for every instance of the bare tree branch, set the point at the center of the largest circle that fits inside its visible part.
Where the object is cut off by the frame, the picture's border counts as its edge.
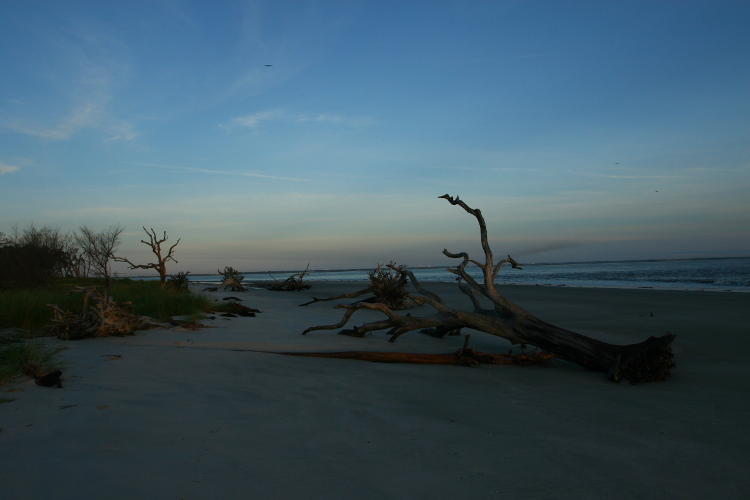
(154, 243)
(350, 295)
(99, 249)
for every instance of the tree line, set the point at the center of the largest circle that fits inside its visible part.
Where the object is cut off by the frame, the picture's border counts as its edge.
(38, 255)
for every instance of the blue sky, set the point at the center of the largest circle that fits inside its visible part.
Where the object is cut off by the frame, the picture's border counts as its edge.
(583, 130)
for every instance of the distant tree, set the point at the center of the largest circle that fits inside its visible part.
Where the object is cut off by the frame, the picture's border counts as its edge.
(33, 255)
(154, 243)
(99, 249)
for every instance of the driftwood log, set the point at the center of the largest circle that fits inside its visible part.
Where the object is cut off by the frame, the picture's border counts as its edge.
(647, 361)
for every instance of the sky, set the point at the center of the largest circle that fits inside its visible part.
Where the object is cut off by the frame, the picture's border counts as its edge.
(267, 135)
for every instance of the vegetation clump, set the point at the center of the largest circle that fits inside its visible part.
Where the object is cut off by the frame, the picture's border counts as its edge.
(179, 281)
(26, 308)
(19, 356)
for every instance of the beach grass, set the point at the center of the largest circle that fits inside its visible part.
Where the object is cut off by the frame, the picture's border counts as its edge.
(26, 308)
(22, 357)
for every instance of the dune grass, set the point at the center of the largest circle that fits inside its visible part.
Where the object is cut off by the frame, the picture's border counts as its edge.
(22, 357)
(26, 308)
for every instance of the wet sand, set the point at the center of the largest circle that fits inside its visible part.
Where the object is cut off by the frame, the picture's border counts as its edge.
(184, 414)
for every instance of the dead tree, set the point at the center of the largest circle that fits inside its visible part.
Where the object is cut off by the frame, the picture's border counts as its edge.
(294, 283)
(154, 242)
(387, 286)
(646, 361)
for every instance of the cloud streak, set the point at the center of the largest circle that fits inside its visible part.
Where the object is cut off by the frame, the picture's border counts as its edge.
(8, 169)
(254, 120)
(235, 173)
(81, 116)
(86, 65)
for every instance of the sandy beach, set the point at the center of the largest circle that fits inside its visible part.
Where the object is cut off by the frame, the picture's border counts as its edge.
(190, 414)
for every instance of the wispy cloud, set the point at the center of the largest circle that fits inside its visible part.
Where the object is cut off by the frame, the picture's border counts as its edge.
(254, 120)
(86, 65)
(638, 176)
(464, 168)
(8, 169)
(236, 173)
(84, 115)
(122, 131)
(352, 121)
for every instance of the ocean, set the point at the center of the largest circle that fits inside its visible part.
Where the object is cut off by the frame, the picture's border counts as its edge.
(719, 274)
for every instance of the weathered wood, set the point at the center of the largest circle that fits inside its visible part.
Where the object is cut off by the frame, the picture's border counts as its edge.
(101, 316)
(294, 283)
(647, 361)
(387, 286)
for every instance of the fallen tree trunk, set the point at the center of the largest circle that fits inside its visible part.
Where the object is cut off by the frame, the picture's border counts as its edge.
(647, 361)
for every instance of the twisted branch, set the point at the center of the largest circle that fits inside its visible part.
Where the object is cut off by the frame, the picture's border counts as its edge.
(154, 242)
